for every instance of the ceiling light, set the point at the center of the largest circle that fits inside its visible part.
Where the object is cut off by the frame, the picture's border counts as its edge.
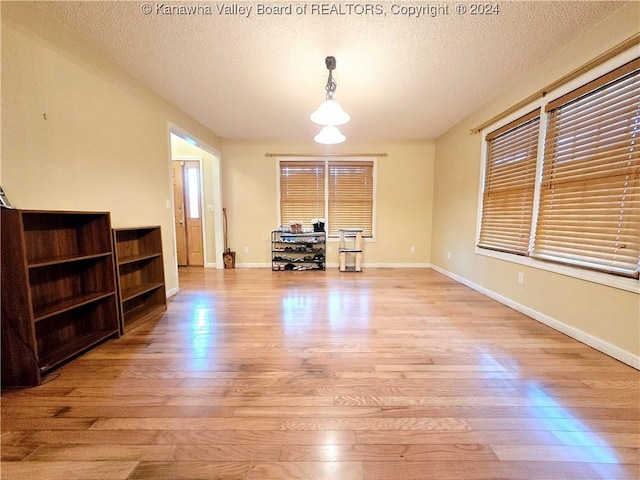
(330, 113)
(330, 135)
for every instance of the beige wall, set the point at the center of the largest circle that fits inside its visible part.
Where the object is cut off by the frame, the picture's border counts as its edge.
(604, 316)
(104, 144)
(404, 200)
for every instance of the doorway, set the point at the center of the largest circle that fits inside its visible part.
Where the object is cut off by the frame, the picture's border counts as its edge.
(187, 198)
(184, 147)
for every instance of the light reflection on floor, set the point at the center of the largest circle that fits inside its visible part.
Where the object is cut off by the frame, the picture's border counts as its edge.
(570, 430)
(203, 331)
(298, 311)
(349, 310)
(341, 311)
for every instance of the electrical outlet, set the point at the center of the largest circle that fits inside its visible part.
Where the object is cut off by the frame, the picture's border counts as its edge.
(329, 249)
(413, 250)
(209, 207)
(246, 250)
(448, 255)
(521, 278)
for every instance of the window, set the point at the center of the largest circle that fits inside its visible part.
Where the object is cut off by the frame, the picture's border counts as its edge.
(193, 190)
(350, 197)
(588, 193)
(510, 172)
(340, 191)
(302, 187)
(590, 190)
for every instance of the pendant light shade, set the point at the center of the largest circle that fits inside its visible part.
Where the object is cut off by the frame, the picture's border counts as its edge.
(330, 135)
(330, 113)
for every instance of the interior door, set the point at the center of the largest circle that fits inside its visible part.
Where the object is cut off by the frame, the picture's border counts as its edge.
(179, 218)
(193, 212)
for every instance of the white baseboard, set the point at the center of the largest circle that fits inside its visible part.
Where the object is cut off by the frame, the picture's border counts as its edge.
(211, 265)
(586, 338)
(336, 265)
(385, 265)
(395, 265)
(172, 291)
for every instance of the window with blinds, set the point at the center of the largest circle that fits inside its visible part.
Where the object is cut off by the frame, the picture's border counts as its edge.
(302, 191)
(507, 203)
(340, 191)
(576, 202)
(350, 197)
(589, 210)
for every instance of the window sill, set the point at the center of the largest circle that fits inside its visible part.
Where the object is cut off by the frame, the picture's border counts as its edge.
(337, 239)
(622, 283)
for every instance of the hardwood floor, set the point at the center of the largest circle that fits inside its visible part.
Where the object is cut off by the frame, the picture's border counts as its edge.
(389, 374)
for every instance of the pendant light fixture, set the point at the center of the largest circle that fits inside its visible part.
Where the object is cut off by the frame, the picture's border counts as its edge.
(330, 135)
(330, 114)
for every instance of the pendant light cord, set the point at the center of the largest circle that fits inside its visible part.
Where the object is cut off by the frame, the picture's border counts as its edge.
(330, 62)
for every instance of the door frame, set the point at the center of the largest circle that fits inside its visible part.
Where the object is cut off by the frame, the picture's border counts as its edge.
(216, 180)
(203, 209)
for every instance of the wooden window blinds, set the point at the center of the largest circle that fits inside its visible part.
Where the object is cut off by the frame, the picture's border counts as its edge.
(346, 185)
(589, 210)
(507, 205)
(350, 196)
(302, 191)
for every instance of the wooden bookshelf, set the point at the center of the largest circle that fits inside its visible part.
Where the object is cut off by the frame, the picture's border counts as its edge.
(58, 289)
(140, 274)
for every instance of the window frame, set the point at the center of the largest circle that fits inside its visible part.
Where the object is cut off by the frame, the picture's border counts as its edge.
(599, 277)
(327, 160)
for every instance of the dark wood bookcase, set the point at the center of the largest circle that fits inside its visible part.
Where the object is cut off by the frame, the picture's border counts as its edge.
(58, 289)
(140, 274)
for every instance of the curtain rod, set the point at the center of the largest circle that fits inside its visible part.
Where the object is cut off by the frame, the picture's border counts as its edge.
(326, 154)
(599, 60)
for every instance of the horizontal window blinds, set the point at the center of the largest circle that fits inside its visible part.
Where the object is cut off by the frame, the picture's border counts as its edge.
(589, 211)
(507, 205)
(351, 196)
(302, 190)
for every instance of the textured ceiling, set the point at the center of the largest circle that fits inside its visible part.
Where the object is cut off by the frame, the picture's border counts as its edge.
(259, 76)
